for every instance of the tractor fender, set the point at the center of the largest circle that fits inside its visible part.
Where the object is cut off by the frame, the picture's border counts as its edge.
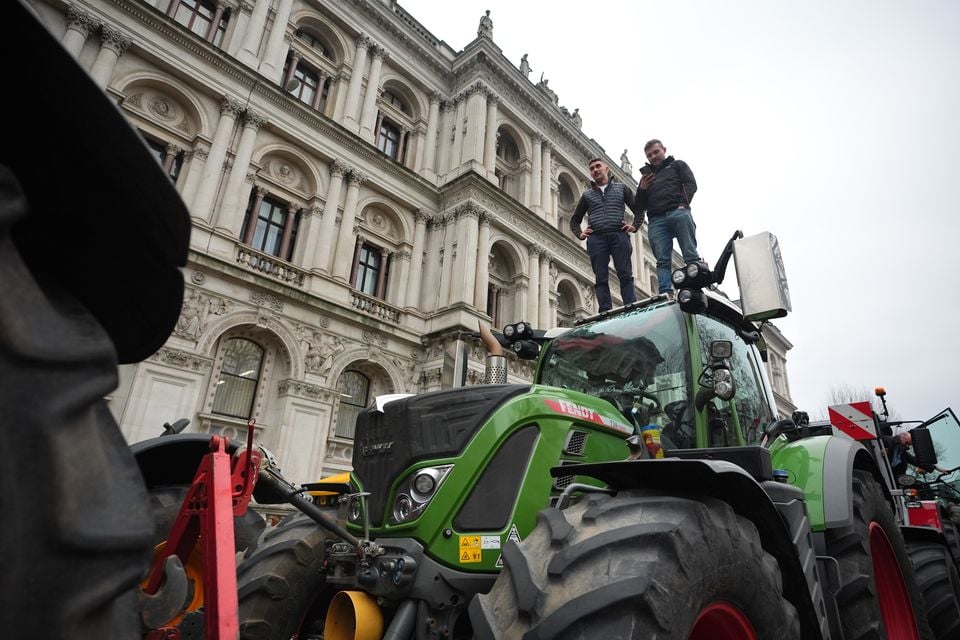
(173, 459)
(840, 457)
(923, 534)
(735, 486)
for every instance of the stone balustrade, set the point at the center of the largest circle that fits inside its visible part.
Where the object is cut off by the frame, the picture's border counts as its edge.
(270, 265)
(374, 307)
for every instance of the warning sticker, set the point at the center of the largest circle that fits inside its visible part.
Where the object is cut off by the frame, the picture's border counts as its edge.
(514, 535)
(470, 554)
(499, 563)
(469, 541)
(489, 542)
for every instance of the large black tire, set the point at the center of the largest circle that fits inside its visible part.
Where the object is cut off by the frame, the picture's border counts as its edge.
(281, 585)
(165, 502)
(639, 565)
(858, 599)
(940, 585)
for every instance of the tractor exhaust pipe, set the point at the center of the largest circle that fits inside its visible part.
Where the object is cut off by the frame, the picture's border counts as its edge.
(495, 371)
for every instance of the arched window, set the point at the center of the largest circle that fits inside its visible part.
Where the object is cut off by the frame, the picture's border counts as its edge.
(371, 268)
(170, 161)
(198, 16)
(272, 228)
(391, 98)
(237, 386)
(315, 42)
(388, 139)
(354, 392)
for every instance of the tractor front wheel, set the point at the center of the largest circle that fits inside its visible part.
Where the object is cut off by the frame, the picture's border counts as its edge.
(281, 584)
(641, 564)
(878, 595)
(940, 585)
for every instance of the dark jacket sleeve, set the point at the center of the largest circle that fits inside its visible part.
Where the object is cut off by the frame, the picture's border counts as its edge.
(630, 200)
(640, 201)
(577, 217)
(687, 182)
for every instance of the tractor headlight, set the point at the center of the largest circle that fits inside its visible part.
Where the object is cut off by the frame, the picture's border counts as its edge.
(355, 513)
(509, 330)
(678, 277)
(693, 270)
(723, 383)
(416, 491)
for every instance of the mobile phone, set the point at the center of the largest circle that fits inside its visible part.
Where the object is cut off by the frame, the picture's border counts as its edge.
(645, 169)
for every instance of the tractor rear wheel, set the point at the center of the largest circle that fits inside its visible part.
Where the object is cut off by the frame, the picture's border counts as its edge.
(282, 588)
(165, 502)
(641, 564)
(940, 585)
(878, 595)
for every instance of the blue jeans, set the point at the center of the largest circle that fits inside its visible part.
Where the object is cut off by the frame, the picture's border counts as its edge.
(662, 230)
(601, 247)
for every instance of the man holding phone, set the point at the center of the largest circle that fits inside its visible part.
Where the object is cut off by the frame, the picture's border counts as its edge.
(666, 189)
(606, 233)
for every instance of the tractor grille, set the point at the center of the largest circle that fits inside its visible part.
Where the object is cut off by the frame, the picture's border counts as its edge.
(576, 442)
(562, 482)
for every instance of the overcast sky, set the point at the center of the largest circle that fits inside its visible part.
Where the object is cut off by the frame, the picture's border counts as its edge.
(833, 124)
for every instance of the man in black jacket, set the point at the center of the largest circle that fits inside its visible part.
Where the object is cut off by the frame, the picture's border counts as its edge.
(665, 192)
(606, 232)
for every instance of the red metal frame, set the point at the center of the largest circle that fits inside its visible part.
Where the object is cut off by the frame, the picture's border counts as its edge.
(216, 495)
(924, 514)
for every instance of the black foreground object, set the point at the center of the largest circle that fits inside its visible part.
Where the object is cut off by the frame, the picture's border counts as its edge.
(92, 235)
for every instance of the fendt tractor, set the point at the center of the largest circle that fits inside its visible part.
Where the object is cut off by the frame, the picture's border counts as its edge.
(642, 486)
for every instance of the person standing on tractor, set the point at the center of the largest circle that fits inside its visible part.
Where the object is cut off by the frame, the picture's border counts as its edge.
(606, 233)
(897, 448)
(666, 189)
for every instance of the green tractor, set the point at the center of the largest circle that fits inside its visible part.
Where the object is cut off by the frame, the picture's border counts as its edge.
(641, 487)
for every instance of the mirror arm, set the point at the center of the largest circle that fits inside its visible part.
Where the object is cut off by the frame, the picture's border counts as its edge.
(721, 268)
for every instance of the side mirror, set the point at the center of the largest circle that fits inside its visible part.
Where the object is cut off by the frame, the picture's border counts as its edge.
(764, 293)
(923, 448)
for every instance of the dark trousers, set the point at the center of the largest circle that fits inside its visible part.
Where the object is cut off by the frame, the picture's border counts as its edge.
(601, 247)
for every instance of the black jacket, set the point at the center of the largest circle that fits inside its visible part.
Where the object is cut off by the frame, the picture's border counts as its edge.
(604, 209)
(675, 185)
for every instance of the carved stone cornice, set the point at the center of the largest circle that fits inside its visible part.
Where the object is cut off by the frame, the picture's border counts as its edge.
(301, 389)
(181, 359)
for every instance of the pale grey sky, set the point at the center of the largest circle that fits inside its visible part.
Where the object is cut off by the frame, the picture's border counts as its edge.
(834, 124)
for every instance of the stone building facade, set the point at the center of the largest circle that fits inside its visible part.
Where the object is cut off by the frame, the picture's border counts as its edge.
(360, 192)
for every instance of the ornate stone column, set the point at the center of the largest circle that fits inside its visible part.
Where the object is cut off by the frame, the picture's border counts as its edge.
(345, 240)
(456, 155)
(445, 141)
(240, 19)
(449, 235)
(327, 240)
(382, 274)
(272, 65)
(533, 297)
(112, 45)
(416, 260)
(193, 168)
(476, 125)
(545, 170)
(79, 27)
(490, 142)
(429, 289)
(521, 299)
(231, 215)
(310, 220)
(249, 53)
(351, 108)
(430, 146)
(212, 169)
(169, 157)
(543, 322)
(483, 265)
(536, 174)
(369, 110)
(465, 266)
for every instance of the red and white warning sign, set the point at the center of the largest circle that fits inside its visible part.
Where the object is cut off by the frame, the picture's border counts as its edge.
(854, 420)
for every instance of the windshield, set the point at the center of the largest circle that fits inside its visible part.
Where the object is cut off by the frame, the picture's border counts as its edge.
(636, 360)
